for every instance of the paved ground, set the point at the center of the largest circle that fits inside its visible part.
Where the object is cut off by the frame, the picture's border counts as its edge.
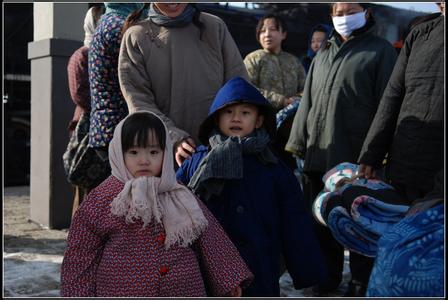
(32, 255)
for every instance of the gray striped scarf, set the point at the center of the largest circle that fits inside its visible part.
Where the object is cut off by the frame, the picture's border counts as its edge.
(225, 161)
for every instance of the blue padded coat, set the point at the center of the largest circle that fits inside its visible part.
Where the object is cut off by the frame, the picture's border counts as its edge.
(263, 213)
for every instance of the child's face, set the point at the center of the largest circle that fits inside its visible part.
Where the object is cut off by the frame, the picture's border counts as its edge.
(317, 40)
(145, 161)
(239, 119)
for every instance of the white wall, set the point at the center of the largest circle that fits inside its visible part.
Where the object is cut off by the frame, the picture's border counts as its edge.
(59, 20)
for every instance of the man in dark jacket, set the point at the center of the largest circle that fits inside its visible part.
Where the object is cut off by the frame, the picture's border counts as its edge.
(408, 125)
(342, 91)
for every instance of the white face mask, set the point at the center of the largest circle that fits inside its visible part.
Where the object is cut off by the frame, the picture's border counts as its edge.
(345, 25)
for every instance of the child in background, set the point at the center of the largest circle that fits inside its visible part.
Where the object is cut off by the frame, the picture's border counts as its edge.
(318, 35)
(254, 196)
(141, 234)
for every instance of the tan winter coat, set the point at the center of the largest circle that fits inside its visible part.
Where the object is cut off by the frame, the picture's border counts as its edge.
(277, 76)
(174, 74)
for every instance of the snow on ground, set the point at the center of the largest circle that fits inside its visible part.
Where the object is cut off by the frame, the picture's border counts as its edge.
(31, 275)
(32, 255)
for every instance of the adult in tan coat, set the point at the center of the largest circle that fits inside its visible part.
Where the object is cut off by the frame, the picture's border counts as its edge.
(173, 63)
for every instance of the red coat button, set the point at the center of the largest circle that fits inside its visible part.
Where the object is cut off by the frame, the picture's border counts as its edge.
(163, 270)
(161, 238)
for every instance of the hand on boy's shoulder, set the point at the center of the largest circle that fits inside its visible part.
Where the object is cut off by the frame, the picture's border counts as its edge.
(184, 150)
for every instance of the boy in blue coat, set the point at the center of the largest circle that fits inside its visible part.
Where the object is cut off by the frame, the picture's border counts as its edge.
(254, 196)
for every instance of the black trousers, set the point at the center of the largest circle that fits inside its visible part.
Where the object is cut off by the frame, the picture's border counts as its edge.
(333, 252)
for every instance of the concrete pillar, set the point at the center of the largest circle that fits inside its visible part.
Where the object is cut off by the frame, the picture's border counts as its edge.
(58, 32)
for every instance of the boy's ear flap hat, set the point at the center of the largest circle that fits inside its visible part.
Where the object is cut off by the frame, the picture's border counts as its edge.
(238, 90)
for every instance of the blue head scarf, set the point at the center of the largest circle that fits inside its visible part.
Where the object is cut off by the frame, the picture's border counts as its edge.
(123, 9)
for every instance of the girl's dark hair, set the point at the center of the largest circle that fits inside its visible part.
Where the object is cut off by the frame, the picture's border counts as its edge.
(133, 18)
(136, 129)
(279, 24)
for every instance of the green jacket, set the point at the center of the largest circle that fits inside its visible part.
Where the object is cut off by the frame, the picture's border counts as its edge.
(341, 95)
(277, 76)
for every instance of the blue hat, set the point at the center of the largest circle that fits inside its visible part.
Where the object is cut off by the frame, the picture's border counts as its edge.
(238, 90)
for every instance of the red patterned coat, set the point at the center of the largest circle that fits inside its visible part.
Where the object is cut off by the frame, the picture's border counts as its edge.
(78, 83)
(106, 257)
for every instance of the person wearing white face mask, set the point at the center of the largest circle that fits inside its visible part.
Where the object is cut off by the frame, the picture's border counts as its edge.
(346, 24)
(342, 91)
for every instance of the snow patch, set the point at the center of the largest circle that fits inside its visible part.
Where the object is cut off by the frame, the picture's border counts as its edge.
(31, 274)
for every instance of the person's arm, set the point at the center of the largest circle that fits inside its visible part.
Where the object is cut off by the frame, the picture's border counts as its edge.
(277, 100)
(385, 67)
(301, 249)
(183, 150)
(183, 174)
(236, 292)
(252, 63)
(223, 269)
(78, 78)
(299, 133)
(301, 77)
(189, 166)
(83, 253)
(135, 82)
(380, 135)
(252, 67)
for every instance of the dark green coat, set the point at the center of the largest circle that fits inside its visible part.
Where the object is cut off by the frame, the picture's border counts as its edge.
(341, 95)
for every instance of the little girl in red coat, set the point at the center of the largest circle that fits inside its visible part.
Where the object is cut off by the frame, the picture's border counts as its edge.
(142, 234)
